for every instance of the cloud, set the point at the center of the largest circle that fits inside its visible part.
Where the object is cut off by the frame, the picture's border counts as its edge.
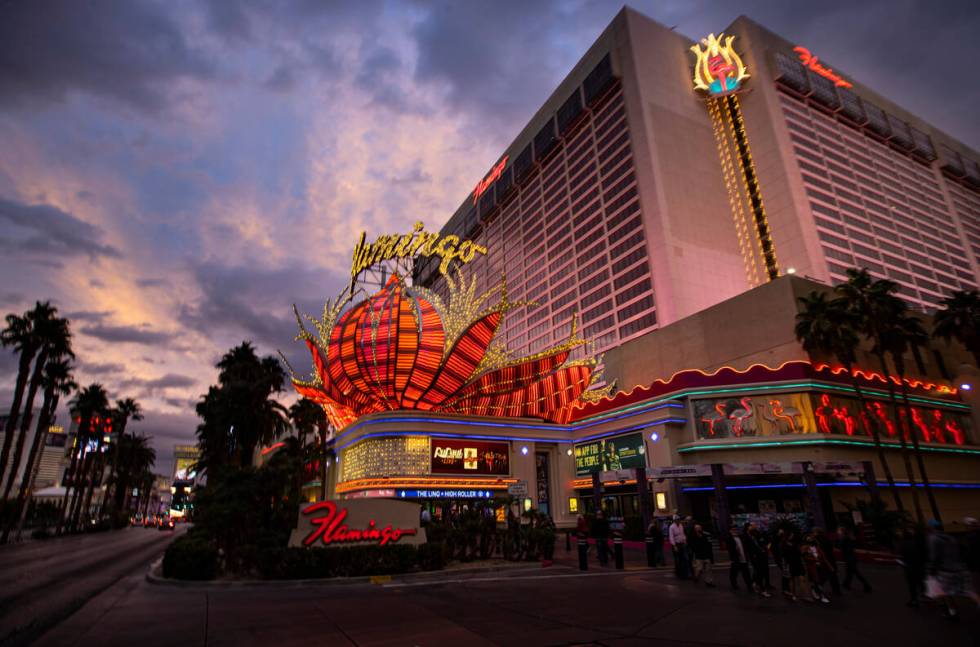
(49, 231)
(88, 315)
(130, 52)
(107, 368)
(126, 334)
(168, 381)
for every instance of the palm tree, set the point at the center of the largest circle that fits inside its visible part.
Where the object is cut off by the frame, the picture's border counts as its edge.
(960, 319)
(903, 331)
(308, 418)
(828, 327)
(53, 339)
(90, 407)
(135, 457)
(19, 333)
(872, 302)
(239, 413)
(58, 381)
(125, 410)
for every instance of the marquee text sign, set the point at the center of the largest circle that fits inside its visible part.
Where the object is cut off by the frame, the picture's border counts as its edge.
(450, 456)
(358, 522)
(416, 243)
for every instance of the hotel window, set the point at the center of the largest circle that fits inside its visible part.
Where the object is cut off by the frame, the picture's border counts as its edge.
(646, 321)
(635, 308)
(599, 326)
(830, 252)
(624, 246)
(630, 276)
(595, 297)
(598, 279)
(632, 292)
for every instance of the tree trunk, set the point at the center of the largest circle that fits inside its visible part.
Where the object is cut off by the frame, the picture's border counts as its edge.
(98, 466)
(930, 495)
(23, 369)
(37, 465)
(81, 482)
(77, 455)
(876, 436)
(30, 470)
(113, 470)
(901, 439)
(25, 420)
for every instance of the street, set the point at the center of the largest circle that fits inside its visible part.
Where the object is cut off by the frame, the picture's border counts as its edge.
(43, 582)
(533, 606)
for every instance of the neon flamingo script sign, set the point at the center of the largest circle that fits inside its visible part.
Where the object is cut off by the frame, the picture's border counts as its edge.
(491, 177)
(813, 64)
(331, 529)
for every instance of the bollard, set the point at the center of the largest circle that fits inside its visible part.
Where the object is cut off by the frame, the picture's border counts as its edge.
(583, 554)
(568, 542)
(618, 552)
(651, 552)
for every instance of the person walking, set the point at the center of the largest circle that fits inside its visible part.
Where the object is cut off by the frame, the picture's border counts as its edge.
(912, 554)
(827, 547)
(792, 553)
(656, 535)
(600, 530)
(678, 546)
(816, 567)
(779, 557)
(703, 556)
(948, 577)
(739, 559)
(848, 551)
(758, 551)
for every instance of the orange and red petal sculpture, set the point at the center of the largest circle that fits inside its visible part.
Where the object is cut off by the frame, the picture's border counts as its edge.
(394, 351)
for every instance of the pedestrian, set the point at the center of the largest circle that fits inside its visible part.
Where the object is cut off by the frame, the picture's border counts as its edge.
(912, 554)
(581, 527)
(792, 553)
(779, 557)
(703, 556)
(656, 535)
(600, 530)
(816, 567)
(948, 577)
(848, 545)
(678, 547)
(739, 561)
(827, 546)
(758, 551)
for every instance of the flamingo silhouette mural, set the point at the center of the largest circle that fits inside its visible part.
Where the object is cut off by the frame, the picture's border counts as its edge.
(739, 415)
(824, 413)
(714, 416)
(782, 412)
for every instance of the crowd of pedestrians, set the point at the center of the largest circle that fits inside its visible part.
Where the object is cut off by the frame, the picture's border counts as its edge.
(936, 565)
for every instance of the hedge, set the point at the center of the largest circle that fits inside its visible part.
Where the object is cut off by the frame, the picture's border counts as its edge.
(195, 558)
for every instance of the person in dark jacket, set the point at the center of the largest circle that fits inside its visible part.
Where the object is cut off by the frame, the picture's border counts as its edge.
(912, 551)
(739, 559)
(600, 530)
(703, 556)
(656, 535)
(758, 549)
(777, 555)
(827, 547)
(848, 552)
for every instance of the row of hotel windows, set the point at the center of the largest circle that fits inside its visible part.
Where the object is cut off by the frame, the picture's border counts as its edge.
(571, 239)
(883, 227)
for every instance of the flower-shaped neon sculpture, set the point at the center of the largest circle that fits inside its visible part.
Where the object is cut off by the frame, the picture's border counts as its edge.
(404, 348)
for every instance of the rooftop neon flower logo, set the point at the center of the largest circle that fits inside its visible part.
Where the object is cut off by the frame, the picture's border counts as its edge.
(719, 69)
(405, 348)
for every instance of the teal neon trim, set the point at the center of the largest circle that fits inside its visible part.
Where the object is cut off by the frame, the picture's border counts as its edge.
(820, 386)
(825, 441)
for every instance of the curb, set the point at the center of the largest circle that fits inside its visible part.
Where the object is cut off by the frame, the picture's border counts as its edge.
(154, 578)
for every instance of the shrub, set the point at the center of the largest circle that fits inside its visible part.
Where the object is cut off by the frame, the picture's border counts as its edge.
(191, 557)
(41, 533)
(431, 556)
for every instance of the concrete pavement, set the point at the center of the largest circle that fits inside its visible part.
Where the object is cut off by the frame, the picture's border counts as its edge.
(43, 582)
(554, 606)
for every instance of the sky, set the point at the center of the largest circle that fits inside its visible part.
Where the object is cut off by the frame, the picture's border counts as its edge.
(175, 175)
